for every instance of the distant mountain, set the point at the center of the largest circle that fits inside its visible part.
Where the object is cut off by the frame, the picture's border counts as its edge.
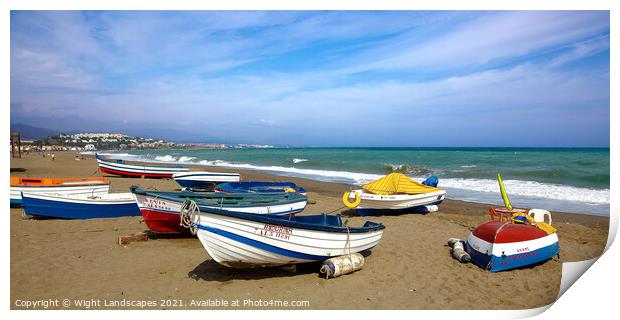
(28, 132)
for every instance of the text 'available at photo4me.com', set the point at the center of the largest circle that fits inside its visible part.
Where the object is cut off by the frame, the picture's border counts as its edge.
(216, 303)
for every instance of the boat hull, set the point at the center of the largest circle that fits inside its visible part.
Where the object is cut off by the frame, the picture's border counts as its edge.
(499, 246)
(241, 243)
(16, 192)
(138, 170)
(48, 206)
(374, 204)
(160, 215)
(163, 214)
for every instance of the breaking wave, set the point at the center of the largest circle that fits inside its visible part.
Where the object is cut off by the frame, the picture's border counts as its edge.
(515, 187)
(166, 158)
(408, 169)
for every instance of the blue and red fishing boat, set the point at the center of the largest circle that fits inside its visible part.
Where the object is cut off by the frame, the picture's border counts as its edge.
(503, 245)
(515, 240)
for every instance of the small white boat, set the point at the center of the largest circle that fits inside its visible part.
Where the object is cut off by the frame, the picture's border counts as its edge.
(393, 192)
(203, 180)
(242, 240)
(80, 206)
(58, 186)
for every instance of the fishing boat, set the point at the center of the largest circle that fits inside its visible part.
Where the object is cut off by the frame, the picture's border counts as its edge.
(394, 193)
(203, 180)
(121, 168)
(259, 186)
(80, 206)
(504, 245)
(242, 240)
(161, 209)
(58, 186)
(512, 239)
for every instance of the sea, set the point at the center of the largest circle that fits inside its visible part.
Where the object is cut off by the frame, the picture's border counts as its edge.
(556, 179)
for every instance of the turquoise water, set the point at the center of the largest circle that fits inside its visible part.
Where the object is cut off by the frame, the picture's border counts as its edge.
(565, 179)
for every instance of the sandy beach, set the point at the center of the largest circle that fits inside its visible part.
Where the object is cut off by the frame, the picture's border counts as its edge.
(411, 268)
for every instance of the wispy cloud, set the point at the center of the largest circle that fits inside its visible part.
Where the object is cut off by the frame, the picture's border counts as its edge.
(325, 75)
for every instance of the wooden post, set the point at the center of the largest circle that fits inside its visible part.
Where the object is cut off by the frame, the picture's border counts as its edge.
(16, 145)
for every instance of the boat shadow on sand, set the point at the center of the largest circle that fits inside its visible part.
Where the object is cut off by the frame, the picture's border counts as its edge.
(209, 270)
(349, 213)
(157, 235)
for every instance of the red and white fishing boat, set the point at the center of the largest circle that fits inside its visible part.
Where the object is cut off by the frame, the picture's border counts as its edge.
(119, 167)
(161, 210)
(503, 245)
(515, 240)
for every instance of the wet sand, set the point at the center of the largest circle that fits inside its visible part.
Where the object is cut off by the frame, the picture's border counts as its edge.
(411, 268)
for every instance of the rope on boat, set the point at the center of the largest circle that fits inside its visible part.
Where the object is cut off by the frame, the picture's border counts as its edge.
(337, 210)
(189, 208)
(348, 243)
(345, 263)
(327, 271)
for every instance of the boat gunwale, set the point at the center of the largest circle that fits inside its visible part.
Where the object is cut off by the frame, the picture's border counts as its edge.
(177, 197)
(282, 221)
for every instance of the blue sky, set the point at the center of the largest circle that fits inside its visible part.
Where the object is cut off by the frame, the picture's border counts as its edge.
(335, 78)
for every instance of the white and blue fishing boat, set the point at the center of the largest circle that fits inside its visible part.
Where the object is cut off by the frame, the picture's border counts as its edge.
(242, 240)
(259, 186)
(203, 180)
(122, 168)
(82, 206)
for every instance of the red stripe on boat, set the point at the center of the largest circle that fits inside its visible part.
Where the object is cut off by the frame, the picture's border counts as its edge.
(162, 222)
(136, 174)
(506, 232)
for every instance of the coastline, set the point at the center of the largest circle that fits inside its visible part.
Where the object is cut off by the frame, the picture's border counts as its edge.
(410, 269)
(467, 176)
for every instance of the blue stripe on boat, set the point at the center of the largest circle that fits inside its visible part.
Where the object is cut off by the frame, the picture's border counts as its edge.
(514, 261)
(263, 246)
(377, 212)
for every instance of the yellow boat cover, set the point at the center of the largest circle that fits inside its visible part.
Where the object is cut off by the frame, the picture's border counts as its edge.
(395, 183)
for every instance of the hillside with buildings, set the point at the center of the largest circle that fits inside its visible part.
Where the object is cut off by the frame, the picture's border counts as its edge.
(95, 141)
